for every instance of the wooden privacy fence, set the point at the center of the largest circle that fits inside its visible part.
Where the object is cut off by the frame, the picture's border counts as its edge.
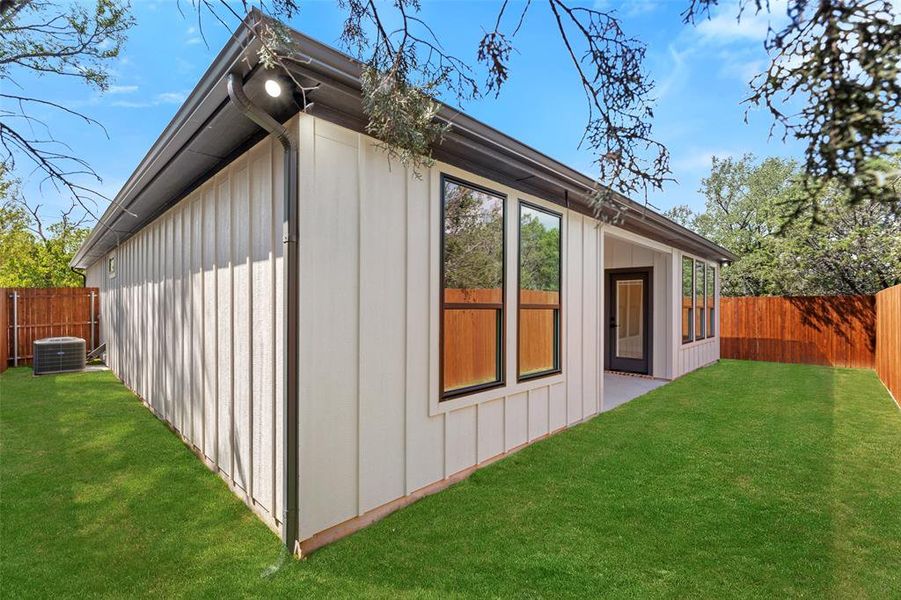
(838, 331)
(888, 339)
(4, 328)
(471, 335)
(30, 314)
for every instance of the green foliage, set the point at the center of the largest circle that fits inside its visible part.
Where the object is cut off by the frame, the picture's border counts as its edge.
(841, 248)
(473, 238)
(76, 41)
(834, 84)
(539, 258)
(31, 255)
(402, 117)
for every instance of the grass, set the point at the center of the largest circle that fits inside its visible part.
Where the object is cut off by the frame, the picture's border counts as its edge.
(741, 480)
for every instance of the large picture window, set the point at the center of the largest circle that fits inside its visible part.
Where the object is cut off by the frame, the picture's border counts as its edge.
(711, 298)
(472, 300)
(539, 292)
(688, 286)
(700, 323)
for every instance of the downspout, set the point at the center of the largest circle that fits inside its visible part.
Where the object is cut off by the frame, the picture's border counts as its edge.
(290, 229)
(84, 278)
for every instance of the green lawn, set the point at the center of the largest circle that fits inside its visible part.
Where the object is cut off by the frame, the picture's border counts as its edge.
(742, 479)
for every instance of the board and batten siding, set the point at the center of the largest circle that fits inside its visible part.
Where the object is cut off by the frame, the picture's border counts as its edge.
(193, 320)
(621, 251)
(371, 427)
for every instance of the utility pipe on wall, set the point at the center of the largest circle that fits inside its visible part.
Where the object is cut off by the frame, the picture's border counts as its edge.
(92, 320)
(15, 329)
(290, 229)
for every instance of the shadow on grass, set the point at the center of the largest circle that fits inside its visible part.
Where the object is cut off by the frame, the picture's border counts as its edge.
(742, 479)
(104, 497)
(706, 485)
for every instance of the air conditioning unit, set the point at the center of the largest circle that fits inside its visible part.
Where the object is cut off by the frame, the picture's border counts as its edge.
(58, 355)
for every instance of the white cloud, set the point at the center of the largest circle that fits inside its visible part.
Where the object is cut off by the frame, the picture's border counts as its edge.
(678, 73)
(122, 89)
(158, 99)
(736, 45)
(726, 27)
(628, 8)
(184, 66)
(699, 160)
(171, 97)
(742, 64)
(194, 41)
(637, 8)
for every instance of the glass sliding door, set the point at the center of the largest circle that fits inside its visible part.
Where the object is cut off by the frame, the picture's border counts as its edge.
(629, 312)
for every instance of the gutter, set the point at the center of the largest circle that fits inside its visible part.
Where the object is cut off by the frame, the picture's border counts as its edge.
(341, 74)
(290, 229)
(194, 111)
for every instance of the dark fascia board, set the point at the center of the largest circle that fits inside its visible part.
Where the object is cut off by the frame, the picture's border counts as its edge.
(340, 74)
(338, 99)
(239, 54)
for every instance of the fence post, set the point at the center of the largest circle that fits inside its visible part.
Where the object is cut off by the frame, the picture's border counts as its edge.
(92, 320)
(15, 328)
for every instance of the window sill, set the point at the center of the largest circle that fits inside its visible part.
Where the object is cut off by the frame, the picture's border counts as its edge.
(536, 376)
(451, 404)
(699, 342)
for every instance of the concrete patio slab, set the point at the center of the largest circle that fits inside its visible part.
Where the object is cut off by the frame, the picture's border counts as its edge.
(619, 389)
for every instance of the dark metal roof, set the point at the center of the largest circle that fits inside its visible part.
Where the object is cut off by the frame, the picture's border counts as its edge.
(207, 132)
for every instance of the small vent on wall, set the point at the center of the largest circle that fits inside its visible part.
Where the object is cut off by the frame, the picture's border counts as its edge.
(58, 355)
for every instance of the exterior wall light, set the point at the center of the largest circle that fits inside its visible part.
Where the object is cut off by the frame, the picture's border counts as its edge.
(273, 88)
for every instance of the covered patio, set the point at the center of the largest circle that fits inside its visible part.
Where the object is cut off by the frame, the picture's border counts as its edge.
(620, 388)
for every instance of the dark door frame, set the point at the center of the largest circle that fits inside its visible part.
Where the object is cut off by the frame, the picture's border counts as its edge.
(610, 361)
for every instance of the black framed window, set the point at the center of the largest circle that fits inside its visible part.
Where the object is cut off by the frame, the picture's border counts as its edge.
(711, 301)
(472, 293)
(700, 323)
(539, 305)
(688, 286)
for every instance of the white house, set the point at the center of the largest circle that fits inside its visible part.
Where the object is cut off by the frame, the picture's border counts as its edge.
(335, 336)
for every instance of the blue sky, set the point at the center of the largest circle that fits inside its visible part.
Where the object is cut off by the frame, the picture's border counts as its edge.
(701, 72)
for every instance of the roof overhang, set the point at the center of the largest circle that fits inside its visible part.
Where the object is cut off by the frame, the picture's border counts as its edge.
(208, 131)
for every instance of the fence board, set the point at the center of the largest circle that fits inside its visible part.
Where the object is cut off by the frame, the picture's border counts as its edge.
(888, 339)
(471, 336)
(46, 312)
(4, 331)
(838, 331)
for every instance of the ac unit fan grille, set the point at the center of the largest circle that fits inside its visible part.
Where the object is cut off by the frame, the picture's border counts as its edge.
(58, 355)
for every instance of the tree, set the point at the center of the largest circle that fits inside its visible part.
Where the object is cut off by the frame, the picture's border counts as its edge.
(833, 83)
(850, 248)
(838, 58)
(539, 259)
(35, 255)
(855, 249)
(473, 231)
(74, 41)
(681, 214)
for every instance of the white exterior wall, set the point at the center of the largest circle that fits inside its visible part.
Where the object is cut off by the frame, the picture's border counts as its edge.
(697, 354)
(371, 427)
(626, 250)
(194, 325)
